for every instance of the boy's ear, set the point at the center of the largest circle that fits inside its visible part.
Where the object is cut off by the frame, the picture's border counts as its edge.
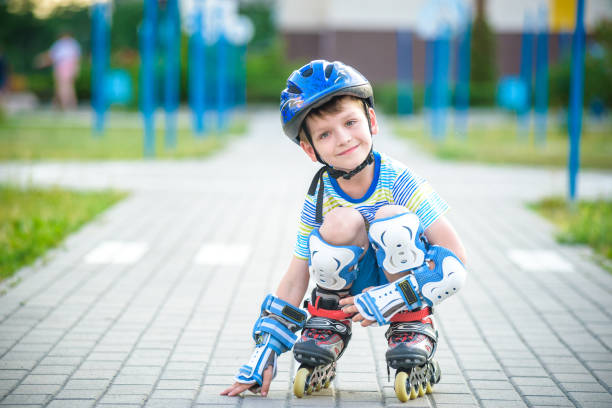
(373, 121)
(308, 149)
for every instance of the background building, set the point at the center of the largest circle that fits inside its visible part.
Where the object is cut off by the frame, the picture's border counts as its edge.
(364, 32)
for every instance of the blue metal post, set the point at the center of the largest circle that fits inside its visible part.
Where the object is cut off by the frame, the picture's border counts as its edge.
(404, 73)
(100, 51)
(429, 72)
(565, 44)
(197, 73)
(147, 74)
(526, 75)
(541, 86)
(172, 70)
(440, 85)
(462, 89)
(222, 83)
(575, 103)
(242, 55)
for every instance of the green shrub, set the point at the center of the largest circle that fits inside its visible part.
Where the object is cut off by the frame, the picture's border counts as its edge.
(483, 93)
(482, 52)
(597, 82)
(385, 97)
(33, 221)
(41, 84)
(590, 223)
(267, 73)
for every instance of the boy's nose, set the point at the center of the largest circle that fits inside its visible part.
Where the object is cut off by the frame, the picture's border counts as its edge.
(344, 136)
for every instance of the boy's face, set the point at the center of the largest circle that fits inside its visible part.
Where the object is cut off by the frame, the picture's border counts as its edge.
(342, 139)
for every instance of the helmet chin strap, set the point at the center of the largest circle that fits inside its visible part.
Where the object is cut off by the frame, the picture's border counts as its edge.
(347, 175)
(335, 173)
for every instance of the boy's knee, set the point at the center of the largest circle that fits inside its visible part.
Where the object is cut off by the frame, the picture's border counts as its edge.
(390, 211)
(344, 226)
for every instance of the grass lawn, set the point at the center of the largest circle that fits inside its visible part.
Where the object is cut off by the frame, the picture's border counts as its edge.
(64, 136)
(500, 142)
(590, 223)
(34, 220)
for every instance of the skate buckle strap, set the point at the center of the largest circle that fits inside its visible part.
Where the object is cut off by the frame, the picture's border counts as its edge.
(332, 314)
(408, 316)
(276, 306)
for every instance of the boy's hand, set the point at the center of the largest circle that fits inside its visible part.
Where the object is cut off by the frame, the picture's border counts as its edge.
(238, 388)
(350, 308)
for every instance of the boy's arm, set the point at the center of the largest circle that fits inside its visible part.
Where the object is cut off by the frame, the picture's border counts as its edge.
(442, 233)
(294, 283)
(291, 289)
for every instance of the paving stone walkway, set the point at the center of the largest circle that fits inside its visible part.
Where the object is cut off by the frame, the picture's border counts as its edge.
(152, 304)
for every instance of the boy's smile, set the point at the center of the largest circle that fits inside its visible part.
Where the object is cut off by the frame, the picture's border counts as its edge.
(342, 138)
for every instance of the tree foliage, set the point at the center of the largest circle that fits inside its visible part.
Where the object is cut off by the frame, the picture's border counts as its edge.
(483, 67)
(597, 70)
(23, 35)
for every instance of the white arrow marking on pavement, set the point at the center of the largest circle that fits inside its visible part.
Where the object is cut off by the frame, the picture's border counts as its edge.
(222, 254)
(117, 252)
(536, 260)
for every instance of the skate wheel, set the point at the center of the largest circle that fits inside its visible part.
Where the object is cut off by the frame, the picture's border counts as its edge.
(413, 393)
(428, 388)
(327, 383)
(318, 387)
(309, 390)
(420, 390)
(435, 372)
(300, 381)
(401, 382)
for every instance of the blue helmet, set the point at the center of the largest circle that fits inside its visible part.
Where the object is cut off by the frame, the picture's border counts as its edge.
(313, 85)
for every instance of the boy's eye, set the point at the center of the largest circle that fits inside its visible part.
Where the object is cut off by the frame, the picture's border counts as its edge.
(351, 122)
(323, 135)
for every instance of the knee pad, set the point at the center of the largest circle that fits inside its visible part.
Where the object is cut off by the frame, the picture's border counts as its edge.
(332, 266)
(399, 242)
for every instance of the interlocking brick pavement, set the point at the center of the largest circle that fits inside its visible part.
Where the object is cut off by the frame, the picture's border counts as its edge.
(163, 328)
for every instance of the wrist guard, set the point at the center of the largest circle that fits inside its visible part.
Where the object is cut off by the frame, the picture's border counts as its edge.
(274, 333)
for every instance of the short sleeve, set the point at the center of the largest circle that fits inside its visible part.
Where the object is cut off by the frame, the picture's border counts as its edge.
(417, 195)
(305, 226)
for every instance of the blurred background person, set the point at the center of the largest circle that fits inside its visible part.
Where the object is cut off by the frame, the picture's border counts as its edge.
(64, 55)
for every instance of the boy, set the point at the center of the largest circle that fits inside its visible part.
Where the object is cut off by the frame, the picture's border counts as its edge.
(367, 222)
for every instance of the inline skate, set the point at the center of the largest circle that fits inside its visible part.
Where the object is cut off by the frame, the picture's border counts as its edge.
(412, 342)
(324, 338)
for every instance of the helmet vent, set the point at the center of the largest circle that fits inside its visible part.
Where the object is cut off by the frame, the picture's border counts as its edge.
(328, 70)
(293, 89)
(307, 72)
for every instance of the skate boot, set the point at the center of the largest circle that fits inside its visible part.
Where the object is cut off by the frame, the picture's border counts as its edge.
(412, 342)
(324, 339)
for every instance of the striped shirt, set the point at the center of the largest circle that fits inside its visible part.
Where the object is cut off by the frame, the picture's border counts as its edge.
(393, 183)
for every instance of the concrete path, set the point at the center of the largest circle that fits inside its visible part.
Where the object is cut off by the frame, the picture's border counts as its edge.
(152, 304)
